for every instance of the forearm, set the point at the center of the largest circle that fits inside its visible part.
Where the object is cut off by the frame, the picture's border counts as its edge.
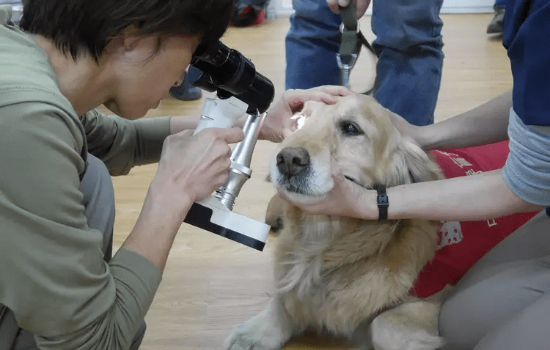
(157, 225)
(484, 124)
(467, 198)
(178, 124)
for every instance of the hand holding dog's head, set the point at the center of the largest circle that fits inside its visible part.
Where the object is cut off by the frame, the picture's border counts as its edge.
(279, 122)
(353, 138)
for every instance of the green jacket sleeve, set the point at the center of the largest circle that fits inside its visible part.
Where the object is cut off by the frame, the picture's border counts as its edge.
(52, 273)
(120, 143)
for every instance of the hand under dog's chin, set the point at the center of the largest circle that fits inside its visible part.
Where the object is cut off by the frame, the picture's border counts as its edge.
(310, 189)
(300, 198)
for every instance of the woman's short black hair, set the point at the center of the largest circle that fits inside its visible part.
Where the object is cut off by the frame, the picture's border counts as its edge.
(78, 26)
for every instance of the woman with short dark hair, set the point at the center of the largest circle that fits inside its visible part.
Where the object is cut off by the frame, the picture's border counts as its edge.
(59, 286)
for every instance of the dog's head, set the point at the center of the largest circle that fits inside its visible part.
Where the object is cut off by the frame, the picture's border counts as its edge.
(355, 136)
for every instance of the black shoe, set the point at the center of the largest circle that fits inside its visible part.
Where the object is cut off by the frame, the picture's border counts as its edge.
(496, 24)
(185, 91)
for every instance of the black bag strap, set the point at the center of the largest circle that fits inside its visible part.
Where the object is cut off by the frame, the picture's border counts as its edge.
(352, 38)
(350, 45)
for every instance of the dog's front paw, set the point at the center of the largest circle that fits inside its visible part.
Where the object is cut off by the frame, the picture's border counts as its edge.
(410, 326)
(253, 335)
(247, 337)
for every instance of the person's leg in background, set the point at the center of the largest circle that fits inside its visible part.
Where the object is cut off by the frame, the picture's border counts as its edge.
(503, 302)
(187, 92)
(311, 45)
(99, 208)
(408, 45)
(496, 24)
(410, 58)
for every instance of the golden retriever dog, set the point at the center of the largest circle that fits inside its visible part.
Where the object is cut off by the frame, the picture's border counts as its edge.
(346, 276)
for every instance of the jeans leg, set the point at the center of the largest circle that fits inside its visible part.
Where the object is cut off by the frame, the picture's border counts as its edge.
(410, 58)
(311, 45)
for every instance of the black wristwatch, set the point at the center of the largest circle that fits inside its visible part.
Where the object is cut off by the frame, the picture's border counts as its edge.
(382, 201)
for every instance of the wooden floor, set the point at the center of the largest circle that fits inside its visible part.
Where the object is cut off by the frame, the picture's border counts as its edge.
(211, 283)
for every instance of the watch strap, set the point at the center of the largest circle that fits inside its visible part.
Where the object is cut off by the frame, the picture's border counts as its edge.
(382, 201)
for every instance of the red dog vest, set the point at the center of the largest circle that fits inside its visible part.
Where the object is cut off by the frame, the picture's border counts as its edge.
(463, 243)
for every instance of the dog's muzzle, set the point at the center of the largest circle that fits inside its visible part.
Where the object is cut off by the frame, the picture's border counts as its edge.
(292, 161)
(294, 166)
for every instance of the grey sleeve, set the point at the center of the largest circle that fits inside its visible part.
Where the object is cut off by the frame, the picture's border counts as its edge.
(527, 169)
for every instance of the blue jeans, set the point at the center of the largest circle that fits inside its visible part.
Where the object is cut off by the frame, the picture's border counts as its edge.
(408, 45)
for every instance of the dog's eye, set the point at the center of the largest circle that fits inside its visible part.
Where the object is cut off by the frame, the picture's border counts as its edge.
(350, 128)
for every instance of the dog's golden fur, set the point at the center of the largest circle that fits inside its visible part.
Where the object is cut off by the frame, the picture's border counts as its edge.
(333, 273)
(344, 279)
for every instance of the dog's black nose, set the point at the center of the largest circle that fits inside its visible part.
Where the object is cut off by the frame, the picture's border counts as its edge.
(292, 160)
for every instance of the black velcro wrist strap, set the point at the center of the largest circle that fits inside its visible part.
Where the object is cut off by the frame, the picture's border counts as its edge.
(382, 201)
(348, 16)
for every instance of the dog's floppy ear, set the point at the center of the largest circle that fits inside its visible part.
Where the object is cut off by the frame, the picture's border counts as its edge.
(409, 162)
(418, 163)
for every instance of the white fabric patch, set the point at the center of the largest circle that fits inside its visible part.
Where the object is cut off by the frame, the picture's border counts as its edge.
(450, 233)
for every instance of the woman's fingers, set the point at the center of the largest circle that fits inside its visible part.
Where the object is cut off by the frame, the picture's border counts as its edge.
(333, 4)
(327, 94)
(232, 135)
(198, 164)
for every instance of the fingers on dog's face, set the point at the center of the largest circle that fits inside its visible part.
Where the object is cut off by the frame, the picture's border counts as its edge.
(356, 132)
(354, 137)
(334, 139)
